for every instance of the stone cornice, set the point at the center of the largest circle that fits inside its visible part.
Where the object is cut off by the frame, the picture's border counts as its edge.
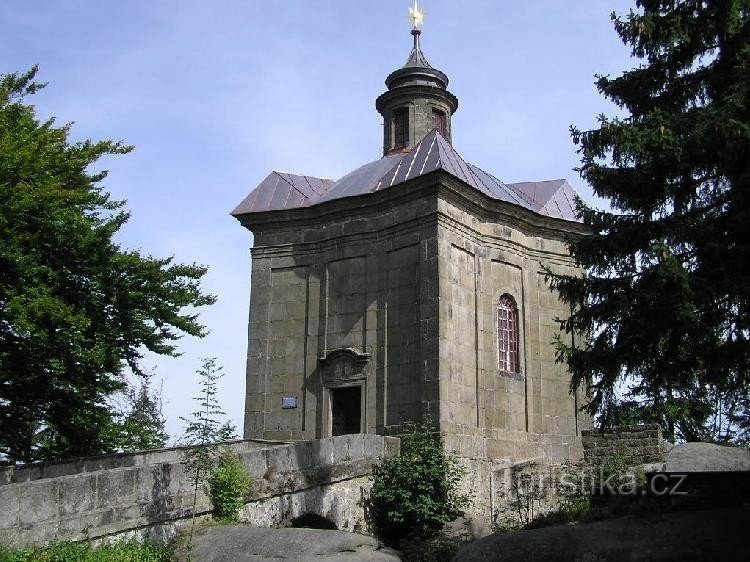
(302, 247)
(438, 184)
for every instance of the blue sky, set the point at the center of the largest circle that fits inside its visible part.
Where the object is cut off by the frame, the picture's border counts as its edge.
(215, 95)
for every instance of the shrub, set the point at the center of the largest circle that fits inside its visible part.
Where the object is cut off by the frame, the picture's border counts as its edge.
(440, 546)
(415, 493)
(228, 484)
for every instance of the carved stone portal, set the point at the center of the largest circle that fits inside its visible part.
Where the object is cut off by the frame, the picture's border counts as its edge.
(342, 367)
(344, 373)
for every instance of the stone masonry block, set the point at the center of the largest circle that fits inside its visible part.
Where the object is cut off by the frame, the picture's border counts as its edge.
(305, 454)
(341, 449)
(280, 460)
(357, 446)
(6, 475)
(75, 528)
(27, 474)
(373, 446)
(323, 450)
(255, 463)
(115, 487)
(77, 494)
(38, 502)
(155, 487)
(53, 470)
(9, 505)
(391, 447)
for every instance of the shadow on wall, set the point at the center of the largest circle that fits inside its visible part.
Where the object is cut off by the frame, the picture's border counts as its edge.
(162, 501)
(313, 521)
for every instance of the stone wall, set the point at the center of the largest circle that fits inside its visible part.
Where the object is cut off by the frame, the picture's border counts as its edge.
(483, 256)
(150, 493)
(641, 444)
(353, 276)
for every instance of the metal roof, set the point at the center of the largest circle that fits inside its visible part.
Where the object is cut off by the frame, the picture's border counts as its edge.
(553, 198)
(279, 190)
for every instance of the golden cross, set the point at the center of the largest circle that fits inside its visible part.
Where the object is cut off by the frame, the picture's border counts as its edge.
(416, 16)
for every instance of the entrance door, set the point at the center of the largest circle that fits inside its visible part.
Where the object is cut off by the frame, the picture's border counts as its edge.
(346, 410)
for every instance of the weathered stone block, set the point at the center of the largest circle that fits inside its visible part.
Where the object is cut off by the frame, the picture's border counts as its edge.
(115, 487)
(391, 447)
(341, 452)
(53, 470)
(153, 483)
(9, 505)
(38, 502)
(281, 460)
(255, 463)
(27, 474)
(77, 494)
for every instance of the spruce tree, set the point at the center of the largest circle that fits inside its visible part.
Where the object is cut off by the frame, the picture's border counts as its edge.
(665, 298)
(140, 424)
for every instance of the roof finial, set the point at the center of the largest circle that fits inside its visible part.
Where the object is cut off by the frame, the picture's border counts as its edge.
(416, 16)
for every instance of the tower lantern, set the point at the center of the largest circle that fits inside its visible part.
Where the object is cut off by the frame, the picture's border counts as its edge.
(417, 100)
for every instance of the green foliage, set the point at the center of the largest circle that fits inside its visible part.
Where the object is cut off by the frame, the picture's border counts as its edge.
(84, 552)
(525, 494)
(575, 506)
(665, 299)
(438, 546)
(205, 431)
(538, 498)
(418, 491)
(229, 485)
(141, 424)
(76, 309)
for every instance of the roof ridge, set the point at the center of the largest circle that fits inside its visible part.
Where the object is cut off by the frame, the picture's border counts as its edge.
(433, 152)
(520, 193)
(294, 187)
(522, 198)
(540, 181)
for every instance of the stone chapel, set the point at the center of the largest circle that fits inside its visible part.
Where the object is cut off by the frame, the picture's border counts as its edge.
(413, 286)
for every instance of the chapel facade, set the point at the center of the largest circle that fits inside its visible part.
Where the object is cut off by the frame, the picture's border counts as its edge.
(413, 286)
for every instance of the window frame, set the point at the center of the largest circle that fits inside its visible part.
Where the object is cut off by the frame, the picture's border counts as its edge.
(400, 118)
(508, 337)
(440, 121)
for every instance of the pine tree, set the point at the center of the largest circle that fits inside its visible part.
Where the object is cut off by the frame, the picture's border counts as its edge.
(665, 297)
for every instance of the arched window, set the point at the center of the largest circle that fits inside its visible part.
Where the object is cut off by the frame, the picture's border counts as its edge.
(507, 335)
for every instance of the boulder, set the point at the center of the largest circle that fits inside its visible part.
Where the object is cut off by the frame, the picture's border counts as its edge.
(241, 543)
(707, 457)
(688, 536)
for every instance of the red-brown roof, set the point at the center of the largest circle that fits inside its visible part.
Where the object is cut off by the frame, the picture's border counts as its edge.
(555, 198)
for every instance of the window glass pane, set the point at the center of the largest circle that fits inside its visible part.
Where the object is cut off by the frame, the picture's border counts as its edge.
(507, 334)
(439, 121)
(400, 128)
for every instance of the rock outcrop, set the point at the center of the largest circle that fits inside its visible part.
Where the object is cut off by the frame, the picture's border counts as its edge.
(707, 457)
(241, 543)
(688, 536)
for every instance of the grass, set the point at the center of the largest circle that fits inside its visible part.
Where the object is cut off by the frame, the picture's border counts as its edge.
(84, 552)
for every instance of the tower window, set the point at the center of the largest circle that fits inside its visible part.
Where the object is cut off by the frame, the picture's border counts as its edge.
(401, 128)
(439, 122)
(507, 335)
